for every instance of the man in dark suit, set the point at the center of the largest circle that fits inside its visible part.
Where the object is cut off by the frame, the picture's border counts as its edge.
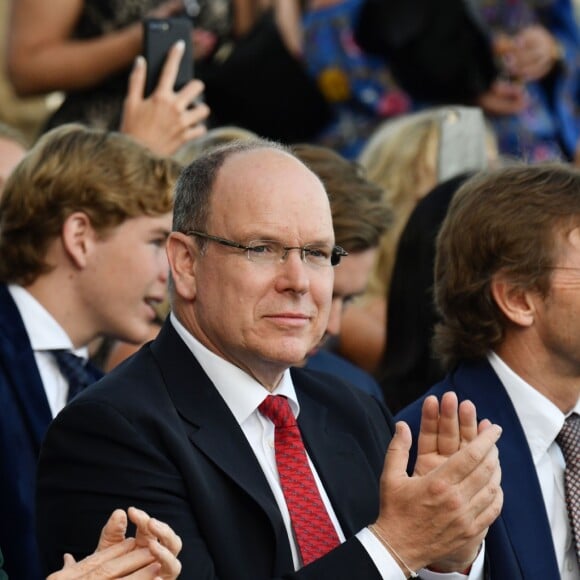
(507, 282)
(181, 428)
(83, 223)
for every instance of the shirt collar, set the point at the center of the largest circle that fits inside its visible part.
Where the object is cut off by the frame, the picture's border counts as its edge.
(44, 332)
(241, 392)
(541, 420)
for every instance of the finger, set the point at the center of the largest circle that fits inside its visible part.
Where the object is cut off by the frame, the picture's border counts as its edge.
(468, 428)
(486, 504)
(189, 93)
(100, 558)
(170, 68)
(141, 520)
(123, 566)
(483, 424)
(194, 133)
(427, 441)
(166, 536)
(460, 465)
(136, 88)
(196, 115)
(170, 565)
(67, 572)
(114, 530)
(397, 456)
(448, 440)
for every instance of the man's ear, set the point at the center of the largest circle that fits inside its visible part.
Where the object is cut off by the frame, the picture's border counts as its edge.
(182, 254)
(517, 303)
(78, 236)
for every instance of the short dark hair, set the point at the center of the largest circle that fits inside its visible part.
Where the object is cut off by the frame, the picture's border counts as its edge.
(506, 220)
(194, 187)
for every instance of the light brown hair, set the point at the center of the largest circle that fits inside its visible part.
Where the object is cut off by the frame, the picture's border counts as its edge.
(507, 220)
(360, 214)
(72, 168)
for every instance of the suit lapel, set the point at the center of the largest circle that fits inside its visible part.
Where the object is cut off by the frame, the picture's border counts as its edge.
(343, 470)
(18, 363)
(213, 428)
(523, 515)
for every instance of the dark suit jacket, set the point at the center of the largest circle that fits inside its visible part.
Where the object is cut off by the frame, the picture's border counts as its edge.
(25, 418)
(156, 434)
(519, 544)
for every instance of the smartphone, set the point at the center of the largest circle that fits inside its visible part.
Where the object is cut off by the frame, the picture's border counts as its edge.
(160, 34)
(462, 142)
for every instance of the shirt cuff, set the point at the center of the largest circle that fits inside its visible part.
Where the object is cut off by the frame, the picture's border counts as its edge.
(390, 570)
(476, 572)
(381, 557)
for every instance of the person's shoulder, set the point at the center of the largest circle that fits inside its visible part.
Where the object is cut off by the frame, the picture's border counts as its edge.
(338, 396)
(130, 381)
(319, 381)
(333, 364)
(342, 408)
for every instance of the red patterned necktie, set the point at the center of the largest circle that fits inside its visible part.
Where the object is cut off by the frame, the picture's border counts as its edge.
(569, 441)
(315, 534)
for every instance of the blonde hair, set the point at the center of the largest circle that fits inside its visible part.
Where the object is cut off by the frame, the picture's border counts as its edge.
(400, 157)
(213, 138)
(72, 168)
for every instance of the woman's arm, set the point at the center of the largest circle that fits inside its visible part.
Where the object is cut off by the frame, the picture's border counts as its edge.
(43, 56)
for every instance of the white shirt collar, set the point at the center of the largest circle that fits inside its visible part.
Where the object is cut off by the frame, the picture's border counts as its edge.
(541, 420)
(241, 392)
(44, 332)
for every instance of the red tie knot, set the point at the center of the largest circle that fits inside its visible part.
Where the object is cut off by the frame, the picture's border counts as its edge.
(278, 410)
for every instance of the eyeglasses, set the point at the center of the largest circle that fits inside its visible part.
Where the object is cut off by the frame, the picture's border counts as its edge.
(271, 252)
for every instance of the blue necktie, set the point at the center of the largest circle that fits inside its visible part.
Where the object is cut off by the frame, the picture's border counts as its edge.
(75, 370)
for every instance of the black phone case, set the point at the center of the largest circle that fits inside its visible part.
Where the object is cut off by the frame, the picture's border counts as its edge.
(160, 34)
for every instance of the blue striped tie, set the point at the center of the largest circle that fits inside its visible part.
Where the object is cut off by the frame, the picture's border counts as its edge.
(75, 370)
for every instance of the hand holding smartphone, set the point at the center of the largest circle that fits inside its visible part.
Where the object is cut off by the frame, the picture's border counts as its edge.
(160, 34)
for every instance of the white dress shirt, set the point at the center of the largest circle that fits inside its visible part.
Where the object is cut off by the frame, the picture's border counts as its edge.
(542, 421)
(243, 395)
(45, 334)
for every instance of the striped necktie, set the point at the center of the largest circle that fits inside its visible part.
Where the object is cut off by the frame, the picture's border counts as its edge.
(75, 370)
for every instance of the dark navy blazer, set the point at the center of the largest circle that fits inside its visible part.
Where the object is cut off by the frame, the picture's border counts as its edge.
(25, 416)
(519, 544)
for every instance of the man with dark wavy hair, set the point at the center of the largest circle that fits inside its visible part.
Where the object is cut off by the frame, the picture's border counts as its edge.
(507, 287)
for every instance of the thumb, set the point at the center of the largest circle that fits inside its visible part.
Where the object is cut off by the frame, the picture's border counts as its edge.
(114, 530)
(68, 561)
(398, 452)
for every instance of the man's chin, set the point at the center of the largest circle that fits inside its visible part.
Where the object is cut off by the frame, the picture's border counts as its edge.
(303, 362)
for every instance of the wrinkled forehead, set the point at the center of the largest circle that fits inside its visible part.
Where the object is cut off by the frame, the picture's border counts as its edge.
(271, 189)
